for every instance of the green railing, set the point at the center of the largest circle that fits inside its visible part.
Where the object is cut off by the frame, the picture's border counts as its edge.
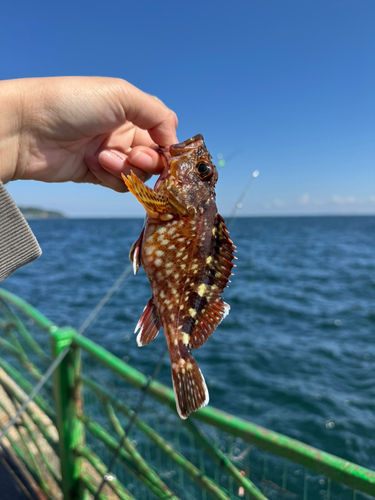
(69, 435)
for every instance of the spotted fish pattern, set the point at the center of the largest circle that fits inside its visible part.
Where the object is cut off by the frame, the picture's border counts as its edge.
(187, 254)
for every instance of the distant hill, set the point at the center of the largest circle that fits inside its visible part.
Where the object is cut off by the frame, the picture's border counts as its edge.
(40, 213)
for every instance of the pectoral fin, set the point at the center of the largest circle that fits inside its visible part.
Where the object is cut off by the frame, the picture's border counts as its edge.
(154, 203)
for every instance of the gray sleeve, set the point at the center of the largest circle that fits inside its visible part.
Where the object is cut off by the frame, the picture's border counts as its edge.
(18, 245)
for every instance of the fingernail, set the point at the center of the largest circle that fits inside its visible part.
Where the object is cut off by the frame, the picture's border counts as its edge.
(141, 160)
(112, 160)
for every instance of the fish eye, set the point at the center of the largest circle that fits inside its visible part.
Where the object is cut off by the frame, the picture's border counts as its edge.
(204, 170)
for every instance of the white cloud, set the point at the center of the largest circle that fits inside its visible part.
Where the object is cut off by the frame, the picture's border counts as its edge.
(308, 204)
(307, 200)
(275, 203)
(304, 199)
(352, 200)
(345, 199)
(279, 203)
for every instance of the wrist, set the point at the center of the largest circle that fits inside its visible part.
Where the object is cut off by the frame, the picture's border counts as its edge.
(10, 127)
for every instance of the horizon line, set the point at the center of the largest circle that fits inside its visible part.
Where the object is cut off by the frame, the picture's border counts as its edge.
(228, 217)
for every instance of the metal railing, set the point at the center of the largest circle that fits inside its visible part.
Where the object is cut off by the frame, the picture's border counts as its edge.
(71, 432)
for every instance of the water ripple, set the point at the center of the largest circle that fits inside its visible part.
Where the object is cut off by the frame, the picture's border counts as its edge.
(296, 354)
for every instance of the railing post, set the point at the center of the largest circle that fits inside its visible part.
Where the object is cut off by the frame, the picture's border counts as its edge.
(67, 393)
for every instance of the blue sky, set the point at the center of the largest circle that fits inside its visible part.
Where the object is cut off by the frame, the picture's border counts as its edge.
(285, 88)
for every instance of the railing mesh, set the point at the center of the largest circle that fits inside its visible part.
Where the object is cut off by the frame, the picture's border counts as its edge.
(276, 477)
(25, 355)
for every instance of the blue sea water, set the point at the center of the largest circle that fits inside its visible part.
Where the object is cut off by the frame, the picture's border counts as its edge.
(296, 353)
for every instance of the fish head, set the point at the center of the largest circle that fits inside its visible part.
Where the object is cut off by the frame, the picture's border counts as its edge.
(189, 175)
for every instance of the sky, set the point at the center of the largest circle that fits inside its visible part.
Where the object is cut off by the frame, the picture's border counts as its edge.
(284, 89)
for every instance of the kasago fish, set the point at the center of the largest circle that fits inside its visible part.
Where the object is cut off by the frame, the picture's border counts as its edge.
(187, 254)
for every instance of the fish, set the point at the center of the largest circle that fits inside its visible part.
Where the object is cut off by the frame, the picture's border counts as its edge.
(187, 254)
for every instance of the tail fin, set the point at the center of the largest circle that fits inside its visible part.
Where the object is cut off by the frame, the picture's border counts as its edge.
(188, 383)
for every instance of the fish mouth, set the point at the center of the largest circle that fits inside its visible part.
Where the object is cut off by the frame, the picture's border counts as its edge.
(186, 146)
(188, 141)
(182, 147)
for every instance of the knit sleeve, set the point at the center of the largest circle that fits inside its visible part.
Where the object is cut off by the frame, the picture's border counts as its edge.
(18, 245)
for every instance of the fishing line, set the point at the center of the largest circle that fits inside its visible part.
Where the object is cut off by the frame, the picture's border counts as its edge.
(64, 352)
(238, 205)
(105, 299)
(132, 420)
(35, 391)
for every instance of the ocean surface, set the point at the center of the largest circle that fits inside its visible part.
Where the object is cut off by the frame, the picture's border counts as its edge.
(296, 353)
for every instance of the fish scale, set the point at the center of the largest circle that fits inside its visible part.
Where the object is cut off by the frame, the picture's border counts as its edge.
(187, 255)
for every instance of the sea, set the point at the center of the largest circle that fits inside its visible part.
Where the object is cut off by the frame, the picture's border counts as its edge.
(296, 353)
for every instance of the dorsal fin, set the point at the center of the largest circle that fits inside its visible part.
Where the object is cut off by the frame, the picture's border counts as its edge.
(208, 308)
(220, 267)
(211, 316)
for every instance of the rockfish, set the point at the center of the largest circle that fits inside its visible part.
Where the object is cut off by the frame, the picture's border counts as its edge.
(187, 254)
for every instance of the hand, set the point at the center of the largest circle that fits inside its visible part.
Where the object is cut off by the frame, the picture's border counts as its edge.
(81, 129)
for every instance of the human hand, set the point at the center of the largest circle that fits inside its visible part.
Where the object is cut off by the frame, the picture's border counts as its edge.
(82, 129)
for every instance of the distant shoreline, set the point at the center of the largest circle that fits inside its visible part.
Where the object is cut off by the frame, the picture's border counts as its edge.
(31, 213)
